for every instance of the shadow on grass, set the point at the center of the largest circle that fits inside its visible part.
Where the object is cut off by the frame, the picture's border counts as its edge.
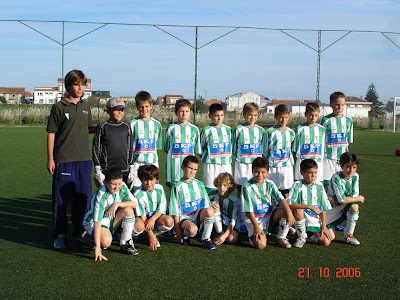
(28, 221)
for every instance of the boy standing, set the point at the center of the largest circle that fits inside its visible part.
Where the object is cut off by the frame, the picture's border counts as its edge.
(344, 186)
(112, 143)
(152, 205)
(309, 141)
(112, 206)
(339, 133)
(277, 149)
(146, 133)
(215, 147)
(181, 139)
(260, 200)
(68, 157)
(309, 202)
(190, 206)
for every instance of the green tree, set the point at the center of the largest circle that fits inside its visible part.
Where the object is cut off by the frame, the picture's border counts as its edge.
(199, 106)
(3, 100)
(372, 96)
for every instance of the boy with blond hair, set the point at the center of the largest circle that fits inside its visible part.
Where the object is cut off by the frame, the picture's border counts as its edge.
(216, 146)
(146, 133)
(309, 141)
(181, 140)
(278, 150)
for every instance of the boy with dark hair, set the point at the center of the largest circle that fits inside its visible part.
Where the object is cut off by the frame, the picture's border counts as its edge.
(216, 147)
(344, 187)
(181, 139)
(261, 200)
(309, 202)
(112, 143)
(152, 205)
(68, 158)
(190, 206)
(112, 206)
(146, 133)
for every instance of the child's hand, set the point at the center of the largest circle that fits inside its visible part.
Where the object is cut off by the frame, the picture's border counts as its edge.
(315, 209)
(98, 255)
(257, 233)
(330, 198)
(325, 231)
(153, 243)
(220, 239)
(149, 224)
(290, 219)
(111, 211)
(361, 199)
(51, 166)
(215, 206)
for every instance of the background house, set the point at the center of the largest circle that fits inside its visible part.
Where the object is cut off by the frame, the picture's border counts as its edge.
(13, 95)
(236, 102)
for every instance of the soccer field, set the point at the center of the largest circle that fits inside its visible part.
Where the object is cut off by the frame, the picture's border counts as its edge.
(31, 269)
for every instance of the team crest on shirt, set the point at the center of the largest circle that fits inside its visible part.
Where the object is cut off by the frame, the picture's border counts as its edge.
(151, 133)
(188, 137)
(186, 195)
(141, 131)
(67, 115)
(198, 195)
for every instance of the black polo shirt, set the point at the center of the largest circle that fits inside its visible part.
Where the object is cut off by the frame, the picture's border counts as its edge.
(70, 122)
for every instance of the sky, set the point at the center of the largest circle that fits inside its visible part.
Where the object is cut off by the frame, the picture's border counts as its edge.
(124, 58)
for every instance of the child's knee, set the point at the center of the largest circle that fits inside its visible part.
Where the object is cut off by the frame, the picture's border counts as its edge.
(168, 221)
(260, 244)
(209, 212)
(232, 238)
(127, 211)
(353, 207)
(139, 226)
(106, 241)
(324, 242)
(298, 214)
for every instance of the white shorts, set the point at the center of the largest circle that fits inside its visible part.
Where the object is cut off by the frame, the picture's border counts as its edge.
(320, 173)
(336, 215)
(330, 167)
(105, 222)
(136, 166)
(282, 177)
(265, 223)
(195, 218)
(243, 172)
(211, 171)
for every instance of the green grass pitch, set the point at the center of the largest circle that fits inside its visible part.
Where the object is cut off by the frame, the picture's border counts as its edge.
(31, 269)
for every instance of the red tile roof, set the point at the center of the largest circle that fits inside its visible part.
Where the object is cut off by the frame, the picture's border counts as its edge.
(12, 90)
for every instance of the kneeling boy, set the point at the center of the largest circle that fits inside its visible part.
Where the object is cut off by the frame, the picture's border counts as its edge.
(310, 203)
(152, 205)
(190, 205)
(111, 207)
(260, 199)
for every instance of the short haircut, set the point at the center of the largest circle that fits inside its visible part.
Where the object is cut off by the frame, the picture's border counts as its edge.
(250, 107)
(259, 162)
(281, 109)
(227, 179)
(312, 106)
(214, 108)
(349, 157)
(112, 174)
(182, 103)
(143, 96)
(148, 172)
(188, 159)
(74, 76)
(334, 96)
(308, 164)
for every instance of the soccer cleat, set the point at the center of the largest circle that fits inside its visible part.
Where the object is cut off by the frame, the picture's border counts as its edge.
(300, 242)
(207, 243)
(251, 241)
(186, 241)
(292, 230)
(158, 243)
(83, 238)
(129, 248)
(339, 227)
(284, 242)
(350, 239)
(314, 238)
(59, 242)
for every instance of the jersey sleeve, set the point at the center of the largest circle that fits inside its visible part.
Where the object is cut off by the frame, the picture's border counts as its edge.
(159, 136)
(355, 192)
(96, 147)
(350, 131)
(140, 209)
(166, 140)
(293, 194)
(265, 147)
(246, 199)
(162, 205)
(324, 202)
(203, 141)
(130, 145)
(174, 207)
(99, 207)
(276, 195)
(337, 189)
(54, 120)
(234, 142)
(197, 146)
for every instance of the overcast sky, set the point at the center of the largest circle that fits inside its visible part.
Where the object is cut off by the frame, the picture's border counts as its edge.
(125, 59)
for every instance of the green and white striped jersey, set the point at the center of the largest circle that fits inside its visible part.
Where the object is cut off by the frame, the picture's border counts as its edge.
(309, 142)
(260, 198)
(247, 143)
(188, 197)
(102, 201)
(339, 133)
(180, 141)
(314, 195)
(278, 147)
(228, 206)
(147, 139)
(216, 146)
(151, 202)
(341, 187)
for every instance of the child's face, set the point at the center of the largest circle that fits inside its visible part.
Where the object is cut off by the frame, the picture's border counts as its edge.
(189, 171)
(338, 106)
(76, 90)
(282, 120)
(223, 189)
(183, 114)
(251, 117)
(116, 115)
(349, 169)
(309, 175)
(312, 117)
(217, 118)
(144, 109)
(114, 185)
(149, 184)
(260, 174)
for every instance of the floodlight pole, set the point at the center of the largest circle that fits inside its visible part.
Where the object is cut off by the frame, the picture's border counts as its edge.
(62, 62)
(318, 65)
(195, 77)
(394, 113)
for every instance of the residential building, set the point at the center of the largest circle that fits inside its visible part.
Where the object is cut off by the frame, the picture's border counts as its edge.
(13, 95)
(28, 98)
(237, 101)
(169, 100)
